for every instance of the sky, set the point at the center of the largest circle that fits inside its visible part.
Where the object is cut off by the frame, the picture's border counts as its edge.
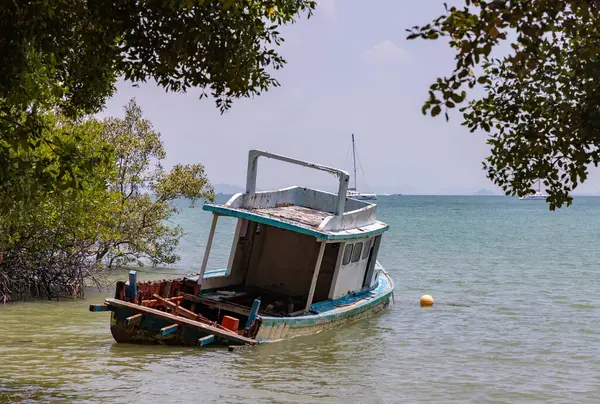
(350, 70)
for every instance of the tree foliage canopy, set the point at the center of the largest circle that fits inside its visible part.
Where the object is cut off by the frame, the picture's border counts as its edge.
(542, 102)
(66, 55)
(144, 193)
(51, 243)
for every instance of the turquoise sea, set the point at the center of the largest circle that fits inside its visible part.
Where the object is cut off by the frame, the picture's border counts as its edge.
(516, 319)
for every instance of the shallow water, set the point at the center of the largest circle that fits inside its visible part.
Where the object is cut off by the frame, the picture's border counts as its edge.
(516, 319)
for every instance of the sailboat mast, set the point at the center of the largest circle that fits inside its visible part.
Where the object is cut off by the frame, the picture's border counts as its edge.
(354, 160)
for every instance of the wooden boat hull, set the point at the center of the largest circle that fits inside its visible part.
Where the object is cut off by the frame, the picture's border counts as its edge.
(151, 323)
(152, 327)
(149, 331)
(330, 314)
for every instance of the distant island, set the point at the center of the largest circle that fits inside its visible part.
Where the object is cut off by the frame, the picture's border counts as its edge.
(485, 192)
(227, 189)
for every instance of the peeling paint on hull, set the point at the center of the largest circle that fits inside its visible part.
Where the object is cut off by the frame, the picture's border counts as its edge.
(284, 331)
(330, 314)
(148, 331)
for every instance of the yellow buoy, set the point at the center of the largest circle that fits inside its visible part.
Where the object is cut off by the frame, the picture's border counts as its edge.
(426, 301)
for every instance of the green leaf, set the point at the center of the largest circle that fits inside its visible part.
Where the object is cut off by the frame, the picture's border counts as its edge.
(456, 98)
(542, 101)
(63, 65)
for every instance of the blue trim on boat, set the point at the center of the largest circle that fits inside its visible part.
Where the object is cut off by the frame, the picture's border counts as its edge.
(350, 298)
(333, 310)
(214, 273)
(209, 339)
(292, 226)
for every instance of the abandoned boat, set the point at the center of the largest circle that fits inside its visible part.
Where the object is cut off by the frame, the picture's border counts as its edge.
(301, 261)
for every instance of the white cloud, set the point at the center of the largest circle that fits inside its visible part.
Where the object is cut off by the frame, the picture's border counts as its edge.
(385, 52)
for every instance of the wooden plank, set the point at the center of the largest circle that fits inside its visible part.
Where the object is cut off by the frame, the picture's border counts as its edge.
(234, 246)
(154, 302)
(186, 313)
(315, 277)
(135, 319)
(177, 309)
(253, 313)
(99, 307)
(120, 290)
(170, 329)
(132, 289)
(232, 307)
(206, 340)
(299, 214)
(226, 334)
(149, 303)
(211, 235)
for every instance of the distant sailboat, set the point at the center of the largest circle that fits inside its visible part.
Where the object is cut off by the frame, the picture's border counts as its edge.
(353, 192)
(538, 195)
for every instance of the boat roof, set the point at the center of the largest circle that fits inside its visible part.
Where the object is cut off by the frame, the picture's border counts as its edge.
(299, 219)
(324, 215)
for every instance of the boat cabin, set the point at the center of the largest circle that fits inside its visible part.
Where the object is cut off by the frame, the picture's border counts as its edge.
(294, 247)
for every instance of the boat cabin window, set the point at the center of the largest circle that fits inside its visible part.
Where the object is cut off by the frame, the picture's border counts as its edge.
(356, 269)
(367, 249)
(357, 249)
(347, 254)
(352, 252)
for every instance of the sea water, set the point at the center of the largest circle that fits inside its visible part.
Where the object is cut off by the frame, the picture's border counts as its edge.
(516, 319)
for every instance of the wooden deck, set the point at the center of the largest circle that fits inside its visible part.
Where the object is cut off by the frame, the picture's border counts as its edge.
(297, 214)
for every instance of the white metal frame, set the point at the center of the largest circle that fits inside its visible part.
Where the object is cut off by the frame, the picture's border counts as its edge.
(342, 175)
(313, 284)
(211, 235)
